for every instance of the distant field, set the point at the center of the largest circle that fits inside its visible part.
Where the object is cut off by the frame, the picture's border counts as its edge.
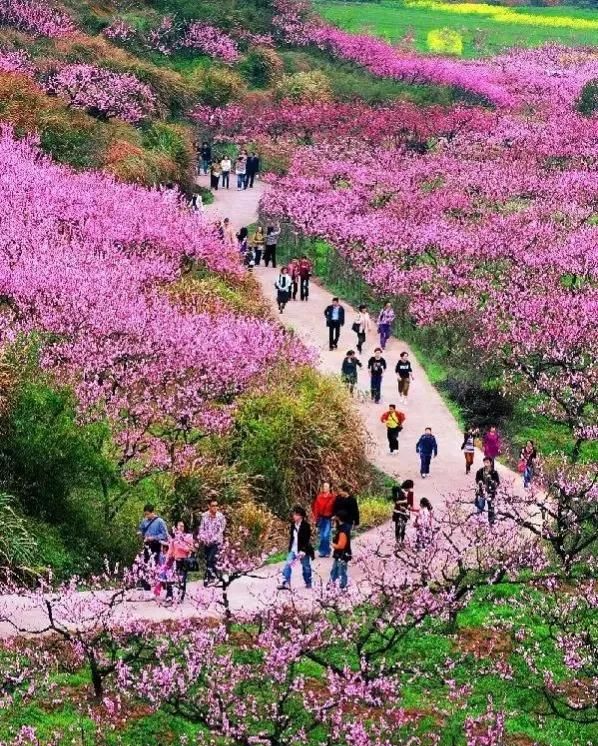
(480, 29)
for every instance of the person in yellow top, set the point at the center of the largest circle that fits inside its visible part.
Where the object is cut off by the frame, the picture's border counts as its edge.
(257, 242)
(393, 419)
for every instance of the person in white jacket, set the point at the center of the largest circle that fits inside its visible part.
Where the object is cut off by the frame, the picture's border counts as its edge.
(283, 286)
(361, 326)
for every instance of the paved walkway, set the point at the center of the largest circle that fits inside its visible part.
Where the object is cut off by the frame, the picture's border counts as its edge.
(425, 408)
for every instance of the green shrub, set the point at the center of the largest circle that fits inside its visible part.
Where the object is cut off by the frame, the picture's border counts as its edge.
(171, 140)
(261, 67)
(587, 103)
(73, 139)
(17, 545)
(305, 87)
(374, 511)
(216, 86)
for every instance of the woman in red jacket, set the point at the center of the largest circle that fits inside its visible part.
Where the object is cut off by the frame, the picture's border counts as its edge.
(323, 510)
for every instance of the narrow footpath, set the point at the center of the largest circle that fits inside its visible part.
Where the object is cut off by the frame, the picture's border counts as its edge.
(425, 409)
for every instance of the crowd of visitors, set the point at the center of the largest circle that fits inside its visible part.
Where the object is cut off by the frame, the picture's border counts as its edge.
(246, 166)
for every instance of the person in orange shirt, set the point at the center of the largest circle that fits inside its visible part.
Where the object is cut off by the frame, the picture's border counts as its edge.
(393, 419)
(323, 508)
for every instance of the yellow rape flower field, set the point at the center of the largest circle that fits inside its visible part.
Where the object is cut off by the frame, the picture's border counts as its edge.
(463, 29)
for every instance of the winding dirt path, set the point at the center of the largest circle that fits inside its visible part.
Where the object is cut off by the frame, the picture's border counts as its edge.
(425, 408)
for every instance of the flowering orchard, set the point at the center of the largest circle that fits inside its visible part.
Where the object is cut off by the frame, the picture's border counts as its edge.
(36, 17)
(86, 264)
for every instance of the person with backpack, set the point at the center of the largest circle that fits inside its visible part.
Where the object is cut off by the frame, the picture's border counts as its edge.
(335, 319)
(341, 550)
(393, 419)
(426, 447)
(349, 370)
(283, 286)
(300, 548)
(487, 483)
(322, 510)
(376, 367)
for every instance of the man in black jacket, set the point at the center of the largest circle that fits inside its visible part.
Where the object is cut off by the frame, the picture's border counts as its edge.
(253, 169)
(205, 155)
(347, 504)
(300, 548)
(335, 318)
(487, 482)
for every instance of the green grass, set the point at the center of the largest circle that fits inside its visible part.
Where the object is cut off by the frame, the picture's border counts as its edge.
(481, 34)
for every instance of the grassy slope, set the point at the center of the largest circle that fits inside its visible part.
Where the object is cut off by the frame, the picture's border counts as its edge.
(392, 19)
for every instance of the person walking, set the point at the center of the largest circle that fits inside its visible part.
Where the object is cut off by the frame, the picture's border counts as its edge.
(205, 155)
(408, 486)
(243, 240)
(361, 326)
(228, 233)
(241, 172)
(305, 268)
(249, 259)
(300, 548)
(349, 370)
(271, 242)
(492, 444)
(468, 446)
(487, 483)
(426, 447)
(393, 419)
(404, 373)
(348, 505)
(293, 267)
(211, 536)
(154, 533)
(322, 510)
(376, 367)
(527, 463)
(341, 550)
(226, 166)
(180, 550)
(335, 319)
(196, 202)
(253, 169)
(215, 172)
(283, 287)
(257, 243)
(400, 513)
(386, 319)
(424, 524)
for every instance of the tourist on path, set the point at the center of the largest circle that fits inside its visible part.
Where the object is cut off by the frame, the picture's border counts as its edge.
(404, 373)
(487, 483)
(305, 268)
(468, 447)
(226, 165)
(492, 444)
(376, 367)
(243, 238)
(283, 287)
(180, 550)
(215, 172)
(424, 524)
(527, 463)
(252, 170)
(335, 318)
(211, 537)
(196, 202)
(426, 447)
(349, 370)
(341, 546)
(249, 260)
(241, 172)
(386, 319)
(408, 486)
(347, 504)
(393, 419)
(400, 513)
(164, 573)
(293, 267)
(300, 548)
(361, 326)
(322, 509)
(205, 155)
(257, 243)
(154, 532)
(271, 243)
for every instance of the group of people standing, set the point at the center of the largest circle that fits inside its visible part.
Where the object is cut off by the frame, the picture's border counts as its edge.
(172, 554)
(246, 166)
(293, 278)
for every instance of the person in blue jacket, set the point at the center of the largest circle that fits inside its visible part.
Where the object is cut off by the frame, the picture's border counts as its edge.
(426, 447)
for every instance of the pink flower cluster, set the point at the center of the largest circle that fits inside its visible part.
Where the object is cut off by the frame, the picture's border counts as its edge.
(36, 17)
(211, 41)
(85, 264)
(104, 93)
(119, 30)
(15, 62)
